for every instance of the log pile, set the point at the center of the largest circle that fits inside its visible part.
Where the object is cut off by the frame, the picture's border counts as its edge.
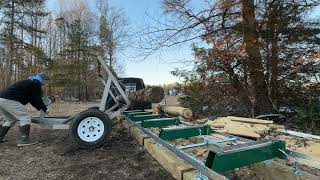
(147, 95)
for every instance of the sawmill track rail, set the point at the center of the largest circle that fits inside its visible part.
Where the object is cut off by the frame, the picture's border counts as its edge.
(221, 157)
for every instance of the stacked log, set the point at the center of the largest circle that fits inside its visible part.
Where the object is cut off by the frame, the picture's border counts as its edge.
(177, 110)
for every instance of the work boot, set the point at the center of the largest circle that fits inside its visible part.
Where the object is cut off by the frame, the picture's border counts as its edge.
(3, 131)
(23, 137)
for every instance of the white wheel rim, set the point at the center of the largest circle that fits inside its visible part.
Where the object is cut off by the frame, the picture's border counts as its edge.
(90, 129)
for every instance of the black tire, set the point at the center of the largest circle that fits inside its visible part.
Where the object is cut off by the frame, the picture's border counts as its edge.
(94, 108)
(97, 120)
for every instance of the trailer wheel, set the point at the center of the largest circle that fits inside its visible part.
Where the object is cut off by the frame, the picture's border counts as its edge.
(90, 128)
(94, 108)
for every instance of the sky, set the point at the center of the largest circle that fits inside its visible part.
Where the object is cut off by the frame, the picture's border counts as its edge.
(154, 70)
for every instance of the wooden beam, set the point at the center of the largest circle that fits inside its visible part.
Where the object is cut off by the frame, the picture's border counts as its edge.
(249, 120)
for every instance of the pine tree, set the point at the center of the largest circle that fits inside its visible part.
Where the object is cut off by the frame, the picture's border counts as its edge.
(17, 15)
(112, 33)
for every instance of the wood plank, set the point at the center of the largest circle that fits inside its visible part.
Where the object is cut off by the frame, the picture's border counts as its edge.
(190, 175)
(235, 128)
(172, 163)
(249, 120)
(138, 135)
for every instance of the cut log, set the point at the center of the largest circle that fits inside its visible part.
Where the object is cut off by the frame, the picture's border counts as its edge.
(147, 95)
(177, 110)
(249, 120)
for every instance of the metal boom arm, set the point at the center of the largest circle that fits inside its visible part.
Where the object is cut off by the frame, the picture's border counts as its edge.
(108, 83)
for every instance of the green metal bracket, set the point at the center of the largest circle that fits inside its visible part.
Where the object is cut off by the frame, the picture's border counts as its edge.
(160, 122)
(185, 132)
(144, 117)
(236, 156)
(133, 111)
(130, 115)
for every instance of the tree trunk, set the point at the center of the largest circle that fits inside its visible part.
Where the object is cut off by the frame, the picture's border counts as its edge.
(79, 75)
(11, 44)
(110, 61)
(242, 90)
(20, 61)
(262, 102)
(274, 61)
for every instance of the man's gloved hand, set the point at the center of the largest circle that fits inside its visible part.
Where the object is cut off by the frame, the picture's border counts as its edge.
(46, 101)
(47, 111)
(43, 114)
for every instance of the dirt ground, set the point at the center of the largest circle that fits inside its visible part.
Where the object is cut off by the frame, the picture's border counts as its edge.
(56, 157)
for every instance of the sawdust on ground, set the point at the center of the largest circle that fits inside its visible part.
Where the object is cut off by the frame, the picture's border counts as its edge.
(306, 146)
(57, 157)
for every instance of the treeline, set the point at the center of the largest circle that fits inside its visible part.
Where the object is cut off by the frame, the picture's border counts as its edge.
(64, 45)
(252, 56)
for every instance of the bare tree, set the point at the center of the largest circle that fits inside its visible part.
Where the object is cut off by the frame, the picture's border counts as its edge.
(112, 31)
